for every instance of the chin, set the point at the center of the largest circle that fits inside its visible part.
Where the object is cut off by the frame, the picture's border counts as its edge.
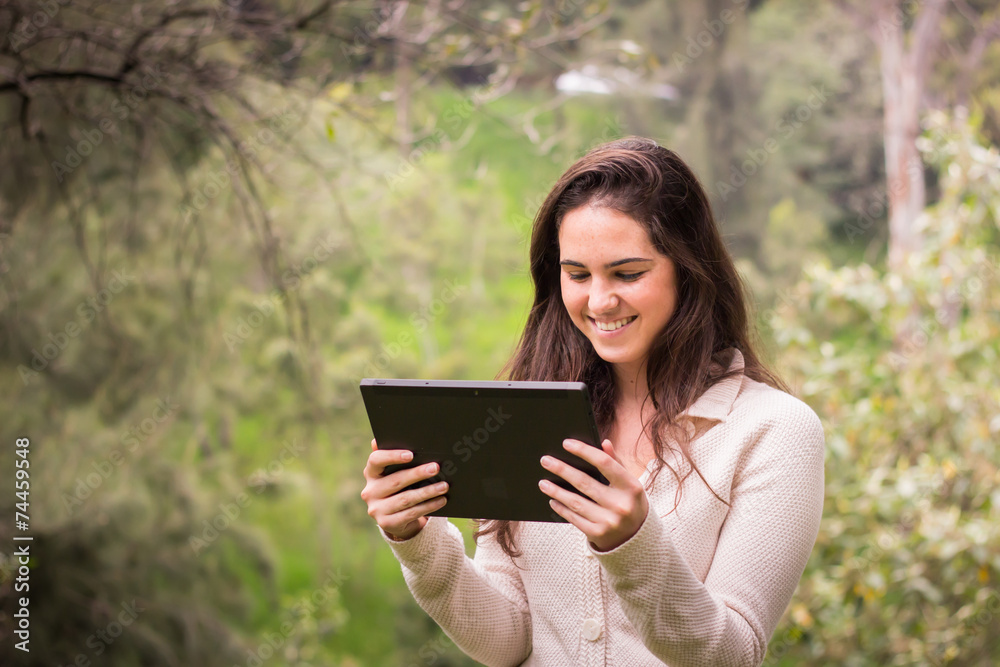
(613, 356)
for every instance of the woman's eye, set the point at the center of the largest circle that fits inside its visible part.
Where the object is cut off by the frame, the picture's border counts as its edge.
(628, 277)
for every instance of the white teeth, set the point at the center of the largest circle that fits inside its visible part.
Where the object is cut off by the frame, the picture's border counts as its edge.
(611, 326)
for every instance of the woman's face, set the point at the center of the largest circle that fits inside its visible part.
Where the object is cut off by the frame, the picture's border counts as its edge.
(618, 289)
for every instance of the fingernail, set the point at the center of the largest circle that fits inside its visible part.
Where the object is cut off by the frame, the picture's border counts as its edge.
(430, 467)
(407, 455)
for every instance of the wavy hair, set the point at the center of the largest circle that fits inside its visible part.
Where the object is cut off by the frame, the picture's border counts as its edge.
(654, 187)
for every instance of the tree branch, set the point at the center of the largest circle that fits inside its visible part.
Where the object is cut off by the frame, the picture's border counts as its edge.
(68, 75)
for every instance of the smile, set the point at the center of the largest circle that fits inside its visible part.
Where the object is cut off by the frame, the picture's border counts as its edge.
(613, 326)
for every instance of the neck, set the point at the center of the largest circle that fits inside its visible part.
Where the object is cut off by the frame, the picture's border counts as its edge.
(630, 382)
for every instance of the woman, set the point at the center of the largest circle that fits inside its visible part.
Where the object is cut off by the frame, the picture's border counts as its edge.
(636, 295)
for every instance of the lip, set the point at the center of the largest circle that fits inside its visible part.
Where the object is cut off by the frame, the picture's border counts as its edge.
(616, 332)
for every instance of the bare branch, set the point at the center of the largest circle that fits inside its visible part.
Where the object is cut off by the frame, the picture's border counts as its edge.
(129, 60)
(59, 76)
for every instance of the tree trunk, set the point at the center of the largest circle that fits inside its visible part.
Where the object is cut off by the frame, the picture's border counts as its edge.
(904, 71)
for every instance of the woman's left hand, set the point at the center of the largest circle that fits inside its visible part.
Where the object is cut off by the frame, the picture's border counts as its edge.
(616, 511)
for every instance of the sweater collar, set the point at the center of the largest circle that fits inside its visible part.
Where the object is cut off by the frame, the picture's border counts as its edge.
(717, 401)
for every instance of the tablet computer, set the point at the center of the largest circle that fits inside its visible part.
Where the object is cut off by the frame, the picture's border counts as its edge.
(488, 437)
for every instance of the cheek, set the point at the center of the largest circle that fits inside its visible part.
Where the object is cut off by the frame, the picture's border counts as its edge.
(657, 295)
(573, 297)
(656, 305)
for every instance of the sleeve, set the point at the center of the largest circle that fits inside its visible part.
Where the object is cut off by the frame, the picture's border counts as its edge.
(480, 603)
(775, 509)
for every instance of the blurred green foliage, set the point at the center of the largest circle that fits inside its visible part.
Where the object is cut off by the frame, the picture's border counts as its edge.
(198, 436)
(903, 367)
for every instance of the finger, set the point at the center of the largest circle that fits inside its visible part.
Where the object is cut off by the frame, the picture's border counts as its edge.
(608, 466)
(413, 497)
(380, 458)
(564, 512)
(580, 480)
(395, 482)
(401, 519)
(609, 448)
(586, 526)
(583, 507)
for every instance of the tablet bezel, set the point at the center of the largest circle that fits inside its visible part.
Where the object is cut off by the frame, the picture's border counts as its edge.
(535, 507)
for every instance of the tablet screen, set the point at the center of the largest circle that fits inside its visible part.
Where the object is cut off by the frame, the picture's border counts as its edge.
(488, 438)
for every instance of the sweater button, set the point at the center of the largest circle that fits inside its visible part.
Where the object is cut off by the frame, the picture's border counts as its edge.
(592, 629)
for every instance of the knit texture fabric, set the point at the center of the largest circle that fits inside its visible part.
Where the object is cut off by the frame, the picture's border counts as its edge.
(700, 584)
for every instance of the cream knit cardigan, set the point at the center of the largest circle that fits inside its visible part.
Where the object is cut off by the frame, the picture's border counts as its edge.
(704, 584)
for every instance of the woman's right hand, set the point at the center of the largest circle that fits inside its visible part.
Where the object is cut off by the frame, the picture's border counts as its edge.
(400, 515)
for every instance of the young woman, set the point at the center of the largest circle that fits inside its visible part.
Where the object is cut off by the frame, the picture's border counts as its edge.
(636, 295)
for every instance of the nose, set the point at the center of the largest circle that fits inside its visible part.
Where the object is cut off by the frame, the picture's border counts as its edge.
(602, 299)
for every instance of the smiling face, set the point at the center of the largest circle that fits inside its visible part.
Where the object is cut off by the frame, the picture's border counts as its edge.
(619, 290)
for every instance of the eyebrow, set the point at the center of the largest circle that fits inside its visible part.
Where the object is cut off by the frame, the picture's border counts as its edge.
(611, 265)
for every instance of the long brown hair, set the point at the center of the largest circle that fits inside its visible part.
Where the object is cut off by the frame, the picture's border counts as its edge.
(650, 184)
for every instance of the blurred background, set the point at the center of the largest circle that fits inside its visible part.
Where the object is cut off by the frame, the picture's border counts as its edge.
(217, 217)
